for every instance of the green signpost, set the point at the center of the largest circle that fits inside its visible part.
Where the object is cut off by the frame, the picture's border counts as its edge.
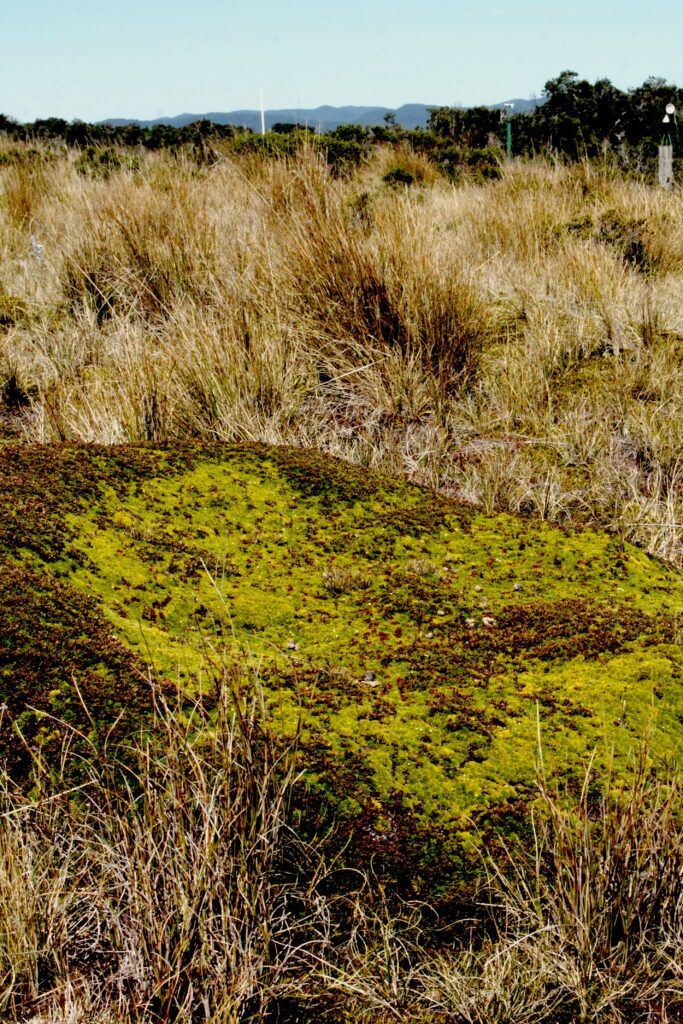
(508, 129)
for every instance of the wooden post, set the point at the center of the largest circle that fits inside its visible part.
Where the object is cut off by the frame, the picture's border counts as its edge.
(666, 169)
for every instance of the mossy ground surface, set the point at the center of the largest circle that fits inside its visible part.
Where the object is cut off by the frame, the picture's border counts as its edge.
(419, 645)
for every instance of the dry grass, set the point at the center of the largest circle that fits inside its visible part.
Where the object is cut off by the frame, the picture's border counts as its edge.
(517, 344)
(160, 883)
(600, 901)
(163, 883)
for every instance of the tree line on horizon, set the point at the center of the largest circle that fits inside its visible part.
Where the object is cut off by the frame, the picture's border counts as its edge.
(574, 119)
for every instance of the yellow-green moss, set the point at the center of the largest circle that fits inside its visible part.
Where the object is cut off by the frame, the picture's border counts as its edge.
(363, 604)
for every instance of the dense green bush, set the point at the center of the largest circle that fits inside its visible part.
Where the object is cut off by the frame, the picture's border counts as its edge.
(102, 163)
(398, 176)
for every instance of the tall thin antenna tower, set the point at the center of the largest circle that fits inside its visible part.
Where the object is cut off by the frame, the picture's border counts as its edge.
(263, 113)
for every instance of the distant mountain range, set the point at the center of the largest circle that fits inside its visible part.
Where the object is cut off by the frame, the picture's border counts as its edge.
(324, 119)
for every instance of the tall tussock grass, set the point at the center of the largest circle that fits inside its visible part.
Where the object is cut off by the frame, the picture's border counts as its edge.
(365, 293)
(601, 894)
(515, 343)
(137, 256)
(162, 885)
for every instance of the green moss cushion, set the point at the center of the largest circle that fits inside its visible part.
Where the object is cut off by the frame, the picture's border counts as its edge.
(416, 646)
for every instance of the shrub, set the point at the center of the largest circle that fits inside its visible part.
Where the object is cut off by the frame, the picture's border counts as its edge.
(397, 176)
(102, 163)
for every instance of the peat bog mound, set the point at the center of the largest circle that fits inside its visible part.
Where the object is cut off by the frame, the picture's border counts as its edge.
(416, 647)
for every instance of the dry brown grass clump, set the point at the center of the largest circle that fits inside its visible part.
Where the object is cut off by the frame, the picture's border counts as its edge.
(164, 883)
(517, 344)
(155, 883)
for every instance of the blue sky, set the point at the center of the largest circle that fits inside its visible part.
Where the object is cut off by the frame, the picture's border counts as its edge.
(147, 58)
